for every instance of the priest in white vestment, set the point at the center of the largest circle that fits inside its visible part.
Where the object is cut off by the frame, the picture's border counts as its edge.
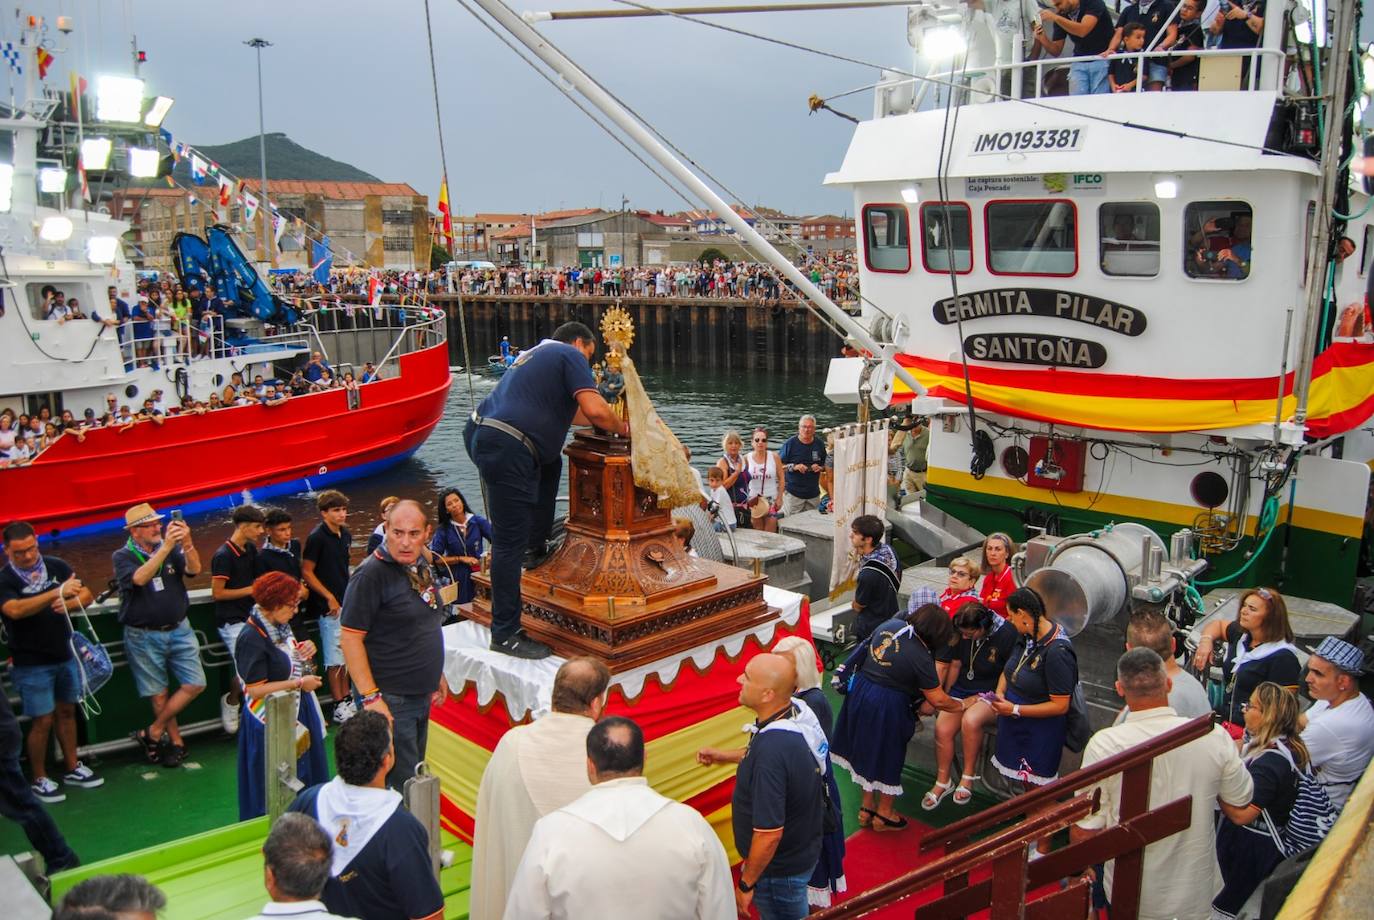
(535, 769)
(622, 850)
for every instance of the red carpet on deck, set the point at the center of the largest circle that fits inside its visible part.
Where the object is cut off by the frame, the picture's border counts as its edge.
(872, 858)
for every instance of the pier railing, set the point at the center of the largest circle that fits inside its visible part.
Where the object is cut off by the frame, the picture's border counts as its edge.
(1011, 826)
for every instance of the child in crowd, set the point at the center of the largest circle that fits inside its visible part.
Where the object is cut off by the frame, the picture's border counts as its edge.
(715, 483)
(1124, 72)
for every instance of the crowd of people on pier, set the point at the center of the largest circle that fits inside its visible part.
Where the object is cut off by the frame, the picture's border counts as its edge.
(835, 273)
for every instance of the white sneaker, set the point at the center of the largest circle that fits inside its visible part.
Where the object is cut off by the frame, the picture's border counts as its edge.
(82, 776)
(48, 791)
(228, 715)
(344, 710)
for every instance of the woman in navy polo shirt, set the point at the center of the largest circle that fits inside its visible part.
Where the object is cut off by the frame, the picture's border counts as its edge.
(971, 664)
(1033, 694)
(457, 542)
(893, 672)
(1254, 647)
(269, 659)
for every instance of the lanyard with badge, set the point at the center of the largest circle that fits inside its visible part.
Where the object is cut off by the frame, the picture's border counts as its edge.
(155, 583)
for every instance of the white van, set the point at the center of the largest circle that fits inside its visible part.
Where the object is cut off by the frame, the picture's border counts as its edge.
(455, 269)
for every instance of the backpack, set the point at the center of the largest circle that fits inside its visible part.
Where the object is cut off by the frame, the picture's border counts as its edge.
(1312, 816)
(1077, 729)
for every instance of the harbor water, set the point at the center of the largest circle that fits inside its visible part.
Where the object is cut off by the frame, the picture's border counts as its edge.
(698, 404)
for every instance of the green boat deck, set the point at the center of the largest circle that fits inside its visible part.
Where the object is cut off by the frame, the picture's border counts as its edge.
(178, 828)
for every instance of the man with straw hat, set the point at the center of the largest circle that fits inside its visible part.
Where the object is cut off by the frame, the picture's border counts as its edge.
(1340, 726)
(151, 568)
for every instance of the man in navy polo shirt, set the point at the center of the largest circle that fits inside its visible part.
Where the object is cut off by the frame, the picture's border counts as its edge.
(778, 803)
(515, 438)
(803, 461)
(36, 591)
(232, 570)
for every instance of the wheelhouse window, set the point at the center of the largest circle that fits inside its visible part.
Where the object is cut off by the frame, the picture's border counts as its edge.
(1032, 237)
(1129, 238)
(1216, 238)
(946, 231)
(887, 238)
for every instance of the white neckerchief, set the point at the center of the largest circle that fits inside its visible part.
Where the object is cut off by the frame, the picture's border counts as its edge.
(351, 816)
(802, 721)
(1244, 653)
(619, 806)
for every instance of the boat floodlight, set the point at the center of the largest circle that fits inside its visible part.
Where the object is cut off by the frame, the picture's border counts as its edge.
(55, 229)
(52, 180)
(157, 111)
(143, 162)
(95, 153)
(119, 99)
(6, 185)
(102, 249)
(911, 194)
(943, 43)
(1166, 186)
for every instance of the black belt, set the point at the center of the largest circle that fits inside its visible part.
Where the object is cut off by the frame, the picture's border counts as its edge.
(507, 429)
(154, 628)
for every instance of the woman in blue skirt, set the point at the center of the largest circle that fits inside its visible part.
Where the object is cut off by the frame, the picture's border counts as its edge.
(892, 672)
(1032, 696)
(270, 660)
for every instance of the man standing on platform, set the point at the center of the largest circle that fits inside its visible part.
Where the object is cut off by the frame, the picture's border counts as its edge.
(391, 636)
(803, 461)
(779, 800)
(324, 566)
(536, 769)
(151, 568)
(232, 570)
(622, 847)
(515, 438)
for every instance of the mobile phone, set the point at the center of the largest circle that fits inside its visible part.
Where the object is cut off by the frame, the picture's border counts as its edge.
(176, 515)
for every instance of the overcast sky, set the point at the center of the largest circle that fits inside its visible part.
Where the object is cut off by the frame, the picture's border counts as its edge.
(350, 79)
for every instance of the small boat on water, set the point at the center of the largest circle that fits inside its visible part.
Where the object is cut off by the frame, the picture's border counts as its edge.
(497, 365)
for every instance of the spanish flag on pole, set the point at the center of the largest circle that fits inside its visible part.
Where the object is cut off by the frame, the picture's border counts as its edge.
(446, 214)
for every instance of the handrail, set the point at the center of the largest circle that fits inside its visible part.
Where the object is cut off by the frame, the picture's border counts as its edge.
(961, 831)
(997, 846)
(1040, 63)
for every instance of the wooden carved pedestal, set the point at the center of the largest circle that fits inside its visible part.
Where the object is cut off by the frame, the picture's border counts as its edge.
(621, 587)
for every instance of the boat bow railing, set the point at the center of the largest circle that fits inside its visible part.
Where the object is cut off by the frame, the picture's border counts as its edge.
(999, 839)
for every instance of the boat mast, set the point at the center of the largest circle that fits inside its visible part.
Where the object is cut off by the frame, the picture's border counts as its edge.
(592, 91)
(1341, 33)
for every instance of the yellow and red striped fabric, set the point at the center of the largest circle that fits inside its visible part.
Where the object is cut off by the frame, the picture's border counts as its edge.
(699, 708)
(1342, 394)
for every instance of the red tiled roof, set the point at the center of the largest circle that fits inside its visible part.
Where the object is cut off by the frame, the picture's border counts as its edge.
(335, 190)
(500, 218)
(512, 233)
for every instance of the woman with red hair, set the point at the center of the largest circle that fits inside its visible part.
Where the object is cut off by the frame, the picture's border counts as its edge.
(270, 660)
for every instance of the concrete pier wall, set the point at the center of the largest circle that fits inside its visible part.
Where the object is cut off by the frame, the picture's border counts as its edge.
(670, 332)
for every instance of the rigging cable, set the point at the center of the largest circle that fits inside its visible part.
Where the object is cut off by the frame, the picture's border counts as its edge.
(647, 124)
(443, 166)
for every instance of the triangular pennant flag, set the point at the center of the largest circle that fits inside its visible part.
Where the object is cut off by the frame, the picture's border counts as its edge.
(198, 168)
(250, 207)
(226, 191)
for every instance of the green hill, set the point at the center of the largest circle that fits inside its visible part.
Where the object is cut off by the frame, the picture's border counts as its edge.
(285, 160)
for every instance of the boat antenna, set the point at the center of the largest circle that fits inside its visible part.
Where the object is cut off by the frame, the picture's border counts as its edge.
(981, 447)
(443, 171)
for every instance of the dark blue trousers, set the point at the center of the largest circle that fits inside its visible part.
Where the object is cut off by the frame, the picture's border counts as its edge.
(20, 805)
(520, 495)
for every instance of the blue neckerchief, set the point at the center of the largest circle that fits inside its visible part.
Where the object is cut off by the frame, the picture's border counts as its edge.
(35, 578)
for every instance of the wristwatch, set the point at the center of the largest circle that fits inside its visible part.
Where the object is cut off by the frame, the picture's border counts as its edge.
(1016, 710)
(745, 886)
